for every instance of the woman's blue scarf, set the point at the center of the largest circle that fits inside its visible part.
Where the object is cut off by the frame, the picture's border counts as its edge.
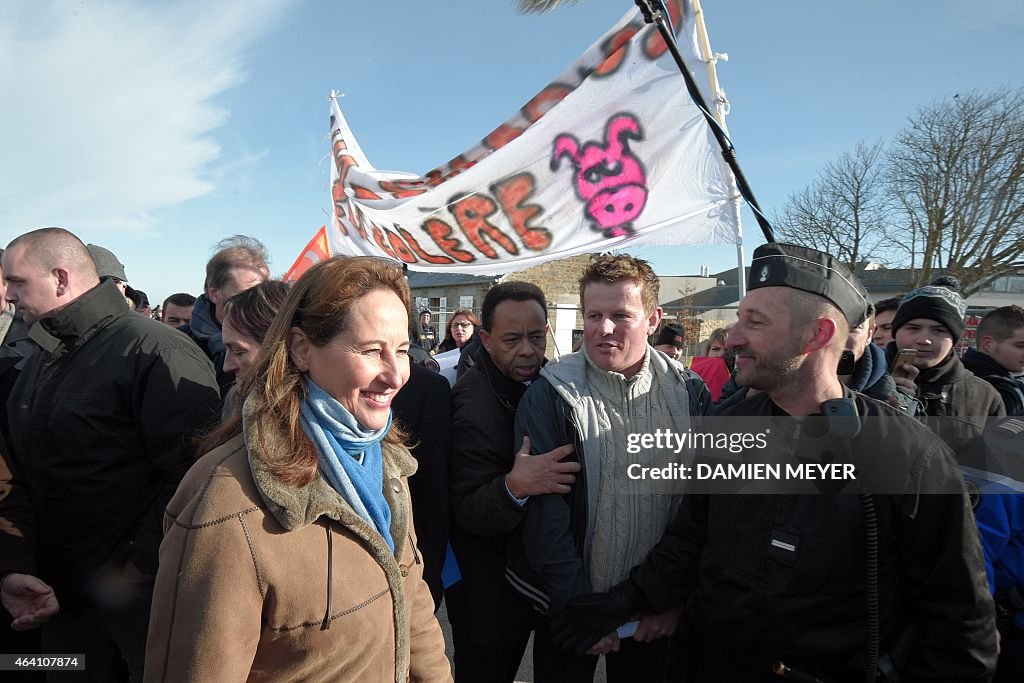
(350, 457)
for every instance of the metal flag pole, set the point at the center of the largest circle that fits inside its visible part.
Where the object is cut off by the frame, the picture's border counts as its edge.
(658, 16)
(704, 44)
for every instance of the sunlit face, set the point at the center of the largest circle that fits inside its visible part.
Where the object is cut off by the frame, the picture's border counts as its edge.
(1009, 353)
(616, 327)
(176, 316)
(239, 280)
(883, 328)
(30, 287)
(241, 349)
(767, 347)
(365, 365)
(516, 340)
(931, 338)
(462, 329)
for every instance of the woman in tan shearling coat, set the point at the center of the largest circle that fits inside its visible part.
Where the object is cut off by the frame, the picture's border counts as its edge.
(289, 551)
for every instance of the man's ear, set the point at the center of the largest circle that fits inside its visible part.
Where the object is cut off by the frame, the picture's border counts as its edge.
(213, 294)
(485, 339)
(61, 281)
(985, 343)
(298, 348)
(653, 320)
(822, 332)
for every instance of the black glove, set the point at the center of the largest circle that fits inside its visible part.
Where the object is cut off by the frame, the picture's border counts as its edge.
(587, 619)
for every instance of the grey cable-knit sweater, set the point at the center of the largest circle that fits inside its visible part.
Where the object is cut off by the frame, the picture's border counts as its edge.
(630, 517)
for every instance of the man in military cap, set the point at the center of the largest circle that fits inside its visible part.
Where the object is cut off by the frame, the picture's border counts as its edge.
(815, 587)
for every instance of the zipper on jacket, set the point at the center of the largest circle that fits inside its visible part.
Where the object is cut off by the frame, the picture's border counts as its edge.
(581, 506)
(796, 439)
(326, 623)
(415, 550)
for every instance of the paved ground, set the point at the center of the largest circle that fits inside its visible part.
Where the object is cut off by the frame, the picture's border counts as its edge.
(525, 674)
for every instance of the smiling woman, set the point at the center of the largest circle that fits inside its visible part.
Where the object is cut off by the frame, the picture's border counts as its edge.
(293, 535)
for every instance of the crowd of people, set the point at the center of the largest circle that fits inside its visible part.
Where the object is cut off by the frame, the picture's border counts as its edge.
(268, 482)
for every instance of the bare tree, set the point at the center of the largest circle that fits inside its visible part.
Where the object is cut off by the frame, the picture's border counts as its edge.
(688, 317)
(956, 171)
(844, 211)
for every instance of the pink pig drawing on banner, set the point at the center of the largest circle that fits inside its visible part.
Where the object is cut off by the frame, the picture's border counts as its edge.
(609, 177)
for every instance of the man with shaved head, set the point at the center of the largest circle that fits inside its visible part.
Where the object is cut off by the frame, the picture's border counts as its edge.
(100, 422)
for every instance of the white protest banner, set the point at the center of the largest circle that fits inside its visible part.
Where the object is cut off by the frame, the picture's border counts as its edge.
(612, 153)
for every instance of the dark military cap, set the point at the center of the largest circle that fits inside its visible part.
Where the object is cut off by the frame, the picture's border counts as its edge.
(789, 265)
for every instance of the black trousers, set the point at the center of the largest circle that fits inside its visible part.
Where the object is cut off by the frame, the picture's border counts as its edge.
(477, 662)
(633, 663)
(490, 632)
(1010, 668)
(106, 636)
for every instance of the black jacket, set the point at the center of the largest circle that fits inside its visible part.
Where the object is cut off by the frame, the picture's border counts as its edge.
(774, 576)
(957, 404)
(426, 337)
(484, 403)
(423, 408)
(101, 422)
(470, 354)
(14, 352)
(1010, 388)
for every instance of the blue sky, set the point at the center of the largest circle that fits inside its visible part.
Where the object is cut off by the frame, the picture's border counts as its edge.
(157, 128)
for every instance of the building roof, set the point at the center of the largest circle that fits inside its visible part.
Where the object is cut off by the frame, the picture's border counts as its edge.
(892, 278)
(729, 276)
(419, 280)
(712, 297)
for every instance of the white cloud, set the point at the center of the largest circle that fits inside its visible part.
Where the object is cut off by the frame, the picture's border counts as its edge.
(107, 108)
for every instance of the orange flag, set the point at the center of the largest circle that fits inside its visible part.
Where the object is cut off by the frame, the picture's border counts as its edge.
(316, 251)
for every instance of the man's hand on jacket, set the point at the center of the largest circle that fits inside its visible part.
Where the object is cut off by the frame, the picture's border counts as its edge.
(589, 618)
(29, 600)
(535, 475)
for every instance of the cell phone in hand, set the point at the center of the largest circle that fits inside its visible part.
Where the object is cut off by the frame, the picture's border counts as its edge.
(904, 356)
(628, 629)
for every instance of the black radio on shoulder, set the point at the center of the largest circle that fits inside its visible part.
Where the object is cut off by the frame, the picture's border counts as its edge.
(843, 420)
(847, 363)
